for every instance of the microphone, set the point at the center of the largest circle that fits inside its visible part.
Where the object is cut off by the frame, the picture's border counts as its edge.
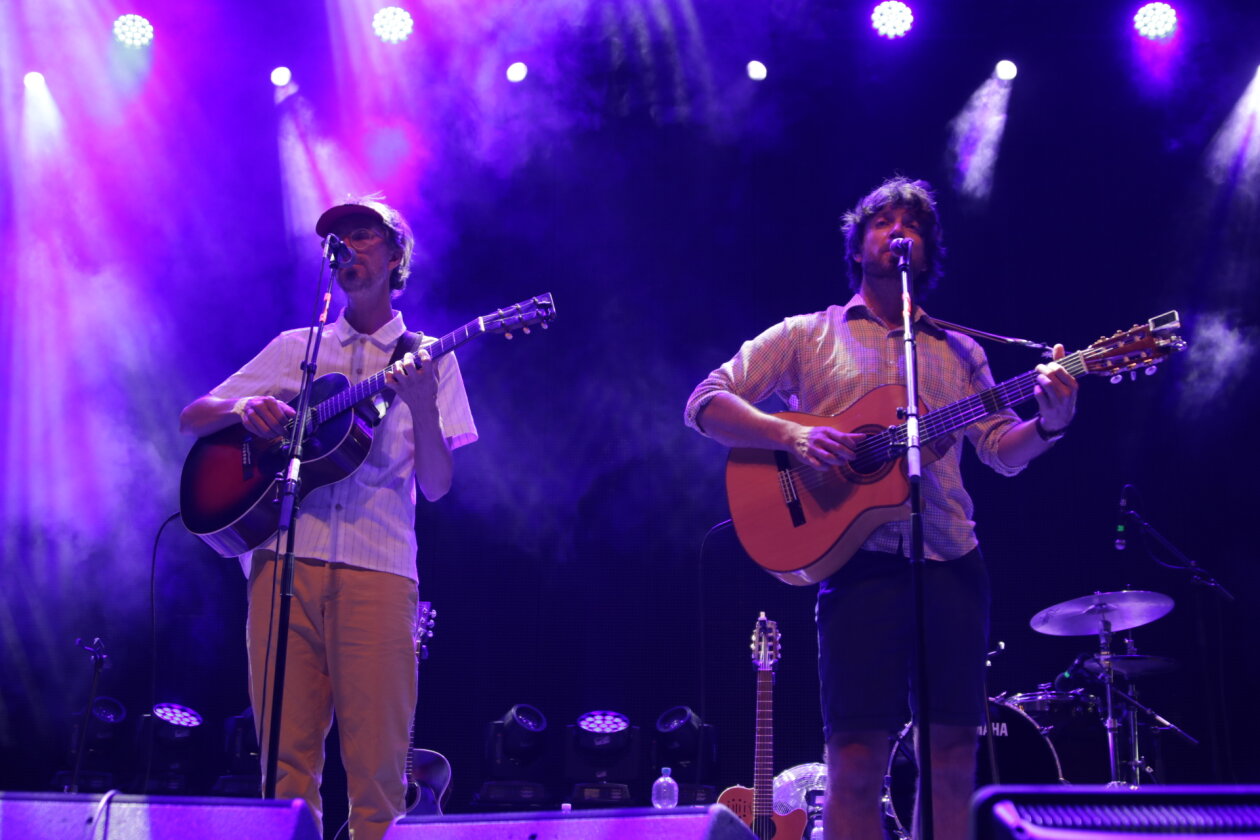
(340, 252)
(1122, 519)
(901, 246)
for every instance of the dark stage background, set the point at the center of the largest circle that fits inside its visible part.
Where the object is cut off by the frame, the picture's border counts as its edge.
(161, 227)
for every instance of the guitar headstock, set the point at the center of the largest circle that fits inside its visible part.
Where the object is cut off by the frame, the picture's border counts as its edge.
(426, 619)
(1140, 347)
(765, 643)
(539, 310)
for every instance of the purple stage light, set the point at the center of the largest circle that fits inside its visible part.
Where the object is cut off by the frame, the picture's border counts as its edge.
(603, 723)
(177, 715)
(1155, 21)
(1005, 70)
(34, 80)
(281, 76)
(517, 71)
(756, 71)
(133, 31)
(392, 24)
(892, 18)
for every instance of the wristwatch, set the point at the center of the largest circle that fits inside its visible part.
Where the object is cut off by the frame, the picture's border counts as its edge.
(1045, 434)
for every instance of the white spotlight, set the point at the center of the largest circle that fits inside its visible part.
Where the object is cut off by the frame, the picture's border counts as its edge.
(281, 76)
(34, 80)
(392, 24)
(1005, 70)
(133, 31)
(517, 71)
(756, 71)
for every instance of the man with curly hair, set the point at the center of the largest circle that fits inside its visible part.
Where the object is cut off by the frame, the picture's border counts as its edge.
(821, 364)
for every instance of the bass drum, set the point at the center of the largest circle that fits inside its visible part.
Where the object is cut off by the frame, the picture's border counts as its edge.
(1020, 752)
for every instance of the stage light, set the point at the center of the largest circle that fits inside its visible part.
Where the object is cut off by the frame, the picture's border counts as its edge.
(133, 31)
(602, 759)
(392, 24)
(517, 760)
(1005, 70)
(1155, 21)
(34, 80)
(281, 76)
(517, 71)
(688, 746)
(603, 722)
(177, 715)
(756, 70)
(892, 18)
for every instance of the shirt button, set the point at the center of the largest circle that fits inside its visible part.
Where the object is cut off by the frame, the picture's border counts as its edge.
(358, 371)
(339, 506)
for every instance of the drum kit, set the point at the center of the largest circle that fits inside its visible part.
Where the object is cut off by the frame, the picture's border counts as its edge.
(1053, 734)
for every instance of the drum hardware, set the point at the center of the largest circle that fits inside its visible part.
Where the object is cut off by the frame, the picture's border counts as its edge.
(1104, 614)
(802, 787)
(1023, 753)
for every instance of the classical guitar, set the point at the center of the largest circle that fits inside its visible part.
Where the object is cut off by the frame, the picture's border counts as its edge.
(428, 773)
(801, 524)
(231, 479)
(756, 807)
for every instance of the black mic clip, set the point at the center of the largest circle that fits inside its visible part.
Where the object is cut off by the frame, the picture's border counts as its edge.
(339, 253)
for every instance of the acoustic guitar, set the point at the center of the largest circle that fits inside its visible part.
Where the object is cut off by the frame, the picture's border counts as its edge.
(428, 773)
(232, 479)
(802, 525)
(756, 807)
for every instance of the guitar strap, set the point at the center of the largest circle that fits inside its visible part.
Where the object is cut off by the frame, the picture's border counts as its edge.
(408, 342)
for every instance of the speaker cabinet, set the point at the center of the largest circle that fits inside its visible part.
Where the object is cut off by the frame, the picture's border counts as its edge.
(1095, 812)
(75, 816)
(715, 822)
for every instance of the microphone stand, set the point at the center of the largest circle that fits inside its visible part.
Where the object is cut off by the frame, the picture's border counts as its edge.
(287, 525)
(914, 471)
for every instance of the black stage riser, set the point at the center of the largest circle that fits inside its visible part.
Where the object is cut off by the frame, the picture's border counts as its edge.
(690, 823)
(1095, 812)
(65, 816)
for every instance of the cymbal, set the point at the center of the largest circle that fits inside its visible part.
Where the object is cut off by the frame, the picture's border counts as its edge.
(1133, 665)
(1084, 616)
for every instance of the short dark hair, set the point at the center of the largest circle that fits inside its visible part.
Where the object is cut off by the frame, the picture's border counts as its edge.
(895, 192)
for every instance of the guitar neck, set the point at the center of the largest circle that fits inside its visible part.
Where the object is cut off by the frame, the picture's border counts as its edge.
(884, 446)
(763, 755)
(376, 383)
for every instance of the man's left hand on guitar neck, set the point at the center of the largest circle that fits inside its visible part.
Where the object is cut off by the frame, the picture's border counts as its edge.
(1055, 393)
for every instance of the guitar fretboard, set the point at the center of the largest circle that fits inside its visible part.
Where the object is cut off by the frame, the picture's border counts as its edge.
(763, 755)
(376, 383)
(881, 447)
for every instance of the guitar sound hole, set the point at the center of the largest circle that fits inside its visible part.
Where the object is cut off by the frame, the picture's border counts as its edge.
(869, 467)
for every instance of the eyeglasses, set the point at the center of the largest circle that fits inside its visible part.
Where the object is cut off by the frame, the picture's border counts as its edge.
(362, 237)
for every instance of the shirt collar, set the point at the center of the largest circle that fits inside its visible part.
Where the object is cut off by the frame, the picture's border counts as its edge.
(858, 308)
(385, 337)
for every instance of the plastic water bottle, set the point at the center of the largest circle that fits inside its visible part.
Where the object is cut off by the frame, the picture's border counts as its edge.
(664, 791)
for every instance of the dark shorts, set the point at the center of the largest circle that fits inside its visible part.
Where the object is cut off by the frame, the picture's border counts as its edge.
(866, 638)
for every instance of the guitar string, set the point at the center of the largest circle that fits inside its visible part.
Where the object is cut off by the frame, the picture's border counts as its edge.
(876, 449)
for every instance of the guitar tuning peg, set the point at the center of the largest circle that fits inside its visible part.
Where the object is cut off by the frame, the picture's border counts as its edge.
(1117, 379)
(545, 325)
(508, 335)
(1133, 376)
(1150, 371)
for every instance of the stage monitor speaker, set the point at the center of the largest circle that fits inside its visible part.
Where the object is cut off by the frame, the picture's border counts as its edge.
(1097, 812)
(82, 816)
(715, 822)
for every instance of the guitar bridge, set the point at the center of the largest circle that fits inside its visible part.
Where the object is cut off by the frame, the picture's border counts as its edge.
(788, 485)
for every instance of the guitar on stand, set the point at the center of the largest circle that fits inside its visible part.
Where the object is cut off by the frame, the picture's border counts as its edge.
(756, 807)
(801, 525)
(428, 772)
